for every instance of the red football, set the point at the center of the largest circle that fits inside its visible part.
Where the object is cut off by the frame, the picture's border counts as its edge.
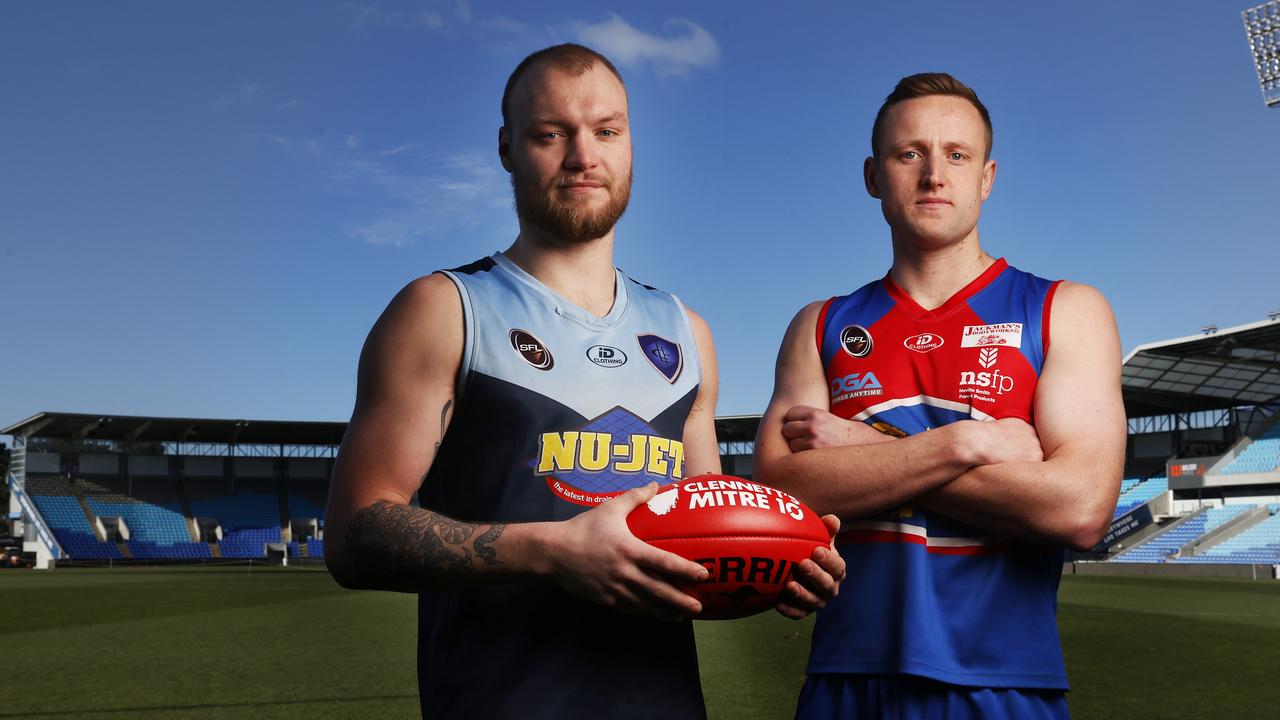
(747, 535)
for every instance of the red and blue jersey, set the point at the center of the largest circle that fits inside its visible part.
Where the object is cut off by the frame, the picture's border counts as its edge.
(928, 595)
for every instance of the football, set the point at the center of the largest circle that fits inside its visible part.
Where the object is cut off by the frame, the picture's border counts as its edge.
(748, 536)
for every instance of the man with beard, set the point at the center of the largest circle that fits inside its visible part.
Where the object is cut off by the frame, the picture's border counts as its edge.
(544, 394)
(954, 528)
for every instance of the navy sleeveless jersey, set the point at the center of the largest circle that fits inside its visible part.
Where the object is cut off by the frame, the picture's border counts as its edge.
(558, 410)
(927, 595)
